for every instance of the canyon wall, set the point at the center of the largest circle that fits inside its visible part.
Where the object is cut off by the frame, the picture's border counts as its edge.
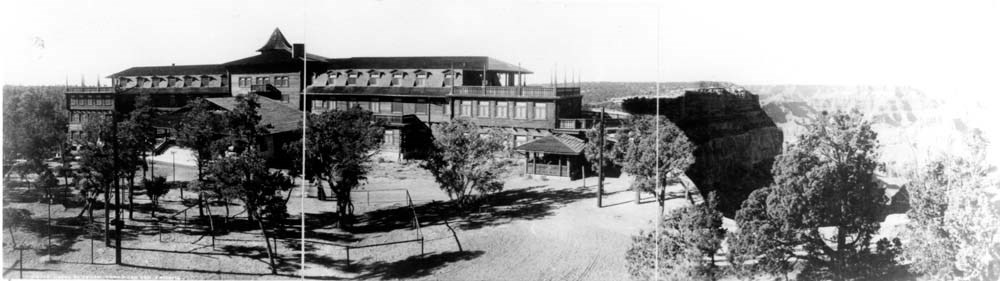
(736, 142)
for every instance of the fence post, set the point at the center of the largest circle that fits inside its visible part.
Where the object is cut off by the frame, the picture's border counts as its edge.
(348, 249)
(20, 262)
(421, 246)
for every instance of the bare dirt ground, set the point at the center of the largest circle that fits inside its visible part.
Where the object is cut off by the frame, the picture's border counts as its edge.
(536, 229)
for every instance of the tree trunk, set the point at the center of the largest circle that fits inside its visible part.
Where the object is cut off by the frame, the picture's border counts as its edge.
(274, 270)
(131, 188)
(320, 192)
(201, 206)
(154, 208)
(12, 238)
(107, 214)
(687, 192)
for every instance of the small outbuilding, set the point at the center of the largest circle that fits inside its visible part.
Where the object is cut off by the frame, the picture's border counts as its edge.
(554, 155)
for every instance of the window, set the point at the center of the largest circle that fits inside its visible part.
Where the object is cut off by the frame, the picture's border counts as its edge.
(421, 106)
(317, 105)
(391, 139)
(74, 101)
(397, 106)
(449, 80)
(156, 82)
(540, 111)
(172, 82)
(397, 79)
(484, 109)
(108, 101)
(521, 110)
(374, 105)
(262, 81)
(352, 79)
(373, 78)
(244, 82)
(366, 105)
(188, 80)
(281, 81)
(341, 105)
(466, 108)
(385, 107)
(331, 78)
(501, 109)
(422, 79)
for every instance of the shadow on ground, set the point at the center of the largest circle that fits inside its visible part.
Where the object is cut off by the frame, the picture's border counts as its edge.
(414, 266)
(521, 204)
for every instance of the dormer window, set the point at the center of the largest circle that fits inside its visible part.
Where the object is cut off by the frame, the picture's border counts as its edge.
(123, 82)
(207, 80)
(172, 82)
(397, 79)
(422, 79)
(331, 78)
(156, 82)
(373, 77)
(188, 81)
(352, 78)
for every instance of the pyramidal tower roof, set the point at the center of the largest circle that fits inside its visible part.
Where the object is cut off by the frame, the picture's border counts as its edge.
(276, 42)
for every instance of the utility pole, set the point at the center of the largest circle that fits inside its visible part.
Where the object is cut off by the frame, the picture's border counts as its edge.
(600, 165)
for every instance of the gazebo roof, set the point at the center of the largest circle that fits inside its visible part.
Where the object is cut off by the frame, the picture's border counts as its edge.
(554, 144)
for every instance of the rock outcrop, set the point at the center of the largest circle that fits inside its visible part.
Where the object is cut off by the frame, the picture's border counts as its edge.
(736, 142)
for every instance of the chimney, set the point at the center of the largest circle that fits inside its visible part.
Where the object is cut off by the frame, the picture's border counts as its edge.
(173, 64)
(298, 50)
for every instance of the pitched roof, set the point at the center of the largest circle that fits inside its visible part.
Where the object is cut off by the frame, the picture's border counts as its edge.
(470, 63)
(166, 70)
(282, 118)
(276, 42)
(274, 61)
(555, 144)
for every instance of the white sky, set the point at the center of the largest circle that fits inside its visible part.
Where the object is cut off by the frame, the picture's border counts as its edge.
(929, 44)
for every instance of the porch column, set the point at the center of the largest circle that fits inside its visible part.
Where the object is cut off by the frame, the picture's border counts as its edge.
(527, 157)
(559, 163)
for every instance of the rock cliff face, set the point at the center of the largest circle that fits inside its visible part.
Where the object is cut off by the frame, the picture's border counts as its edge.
(736, 142)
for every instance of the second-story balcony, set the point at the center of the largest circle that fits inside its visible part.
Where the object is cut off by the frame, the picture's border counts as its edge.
(511, 91)
(477, 91)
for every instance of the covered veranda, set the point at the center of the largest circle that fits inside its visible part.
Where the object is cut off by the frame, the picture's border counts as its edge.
(555, 156)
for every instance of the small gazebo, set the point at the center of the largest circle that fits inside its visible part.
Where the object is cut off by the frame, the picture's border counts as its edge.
(554, 155)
